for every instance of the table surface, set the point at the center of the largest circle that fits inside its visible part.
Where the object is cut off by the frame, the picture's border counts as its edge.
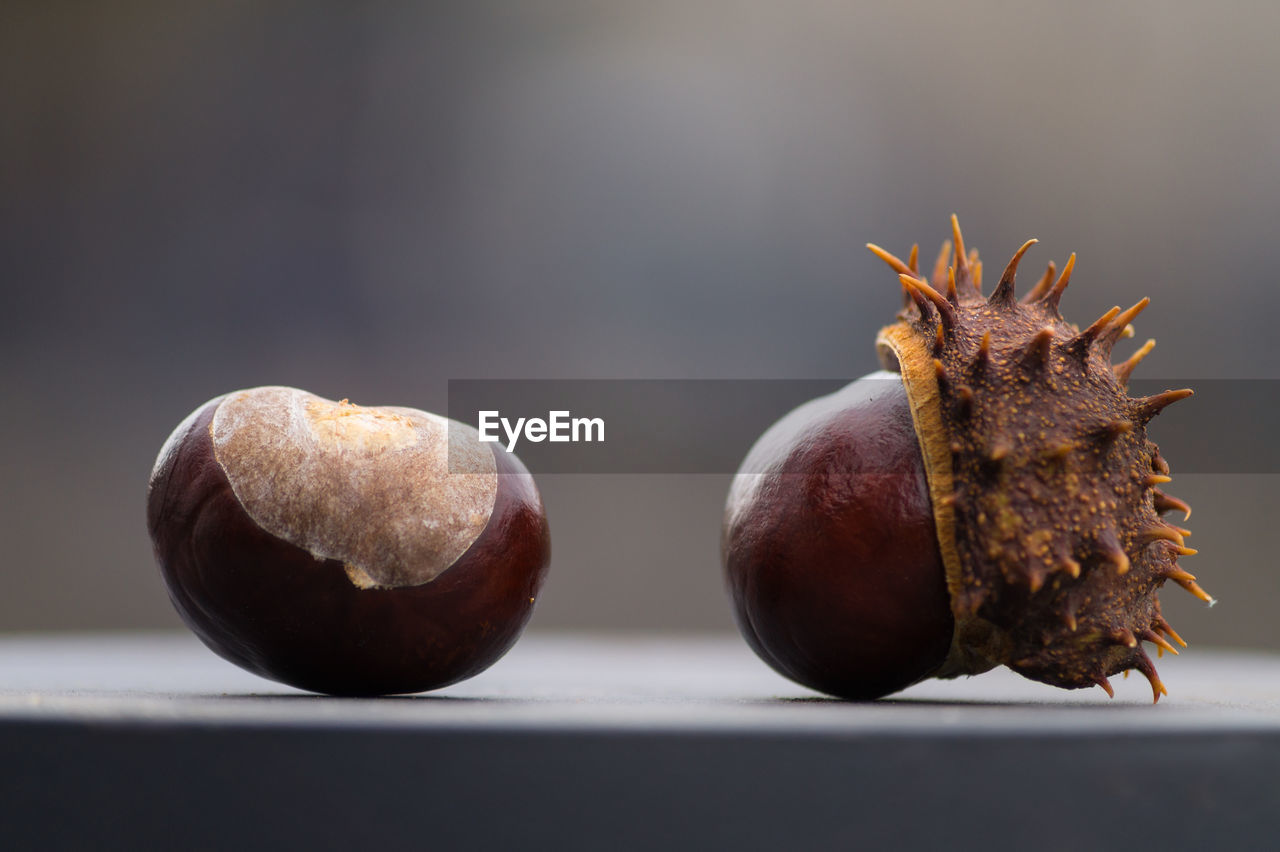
(623, 682)
(593, 741)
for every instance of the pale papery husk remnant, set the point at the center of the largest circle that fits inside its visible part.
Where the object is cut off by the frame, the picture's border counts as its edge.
(372, 488)
(1042, 476)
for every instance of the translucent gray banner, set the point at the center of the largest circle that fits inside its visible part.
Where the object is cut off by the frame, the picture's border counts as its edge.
(708, 425)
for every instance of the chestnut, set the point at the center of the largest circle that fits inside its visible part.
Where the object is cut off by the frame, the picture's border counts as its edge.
(344, 549)
(989, 498)
(829, 546)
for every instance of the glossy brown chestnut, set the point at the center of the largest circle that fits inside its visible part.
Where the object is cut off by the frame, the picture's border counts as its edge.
(330, 547)
(829, 548)
(991, 498)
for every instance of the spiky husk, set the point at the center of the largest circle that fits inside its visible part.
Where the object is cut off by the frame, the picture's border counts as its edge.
(1042, 475)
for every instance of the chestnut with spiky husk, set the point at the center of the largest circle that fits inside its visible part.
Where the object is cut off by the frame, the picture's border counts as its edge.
(1042, 483)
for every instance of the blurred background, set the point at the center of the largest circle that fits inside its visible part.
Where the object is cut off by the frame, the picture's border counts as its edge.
(367, 200)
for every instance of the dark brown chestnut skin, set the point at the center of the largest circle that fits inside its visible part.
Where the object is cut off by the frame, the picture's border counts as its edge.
(273, 608)
(829, 547)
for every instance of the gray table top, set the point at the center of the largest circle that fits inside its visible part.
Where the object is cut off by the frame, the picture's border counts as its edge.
(697, 683)
(608, 742)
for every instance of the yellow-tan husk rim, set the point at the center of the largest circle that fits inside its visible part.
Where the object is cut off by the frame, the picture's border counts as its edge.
(900, 347)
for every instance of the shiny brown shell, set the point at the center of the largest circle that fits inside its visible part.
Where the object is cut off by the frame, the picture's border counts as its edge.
(278, 600)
